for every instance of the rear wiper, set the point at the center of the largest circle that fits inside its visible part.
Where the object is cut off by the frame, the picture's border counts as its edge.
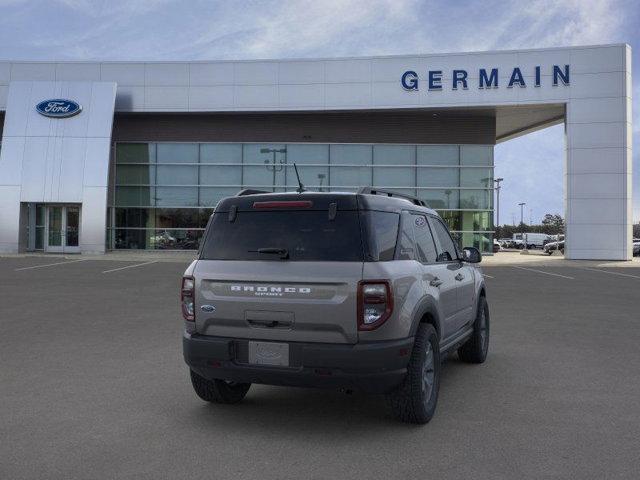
(283, 252)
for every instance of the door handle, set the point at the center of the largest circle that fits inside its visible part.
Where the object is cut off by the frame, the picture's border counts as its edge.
(459, 277)
(436, 282)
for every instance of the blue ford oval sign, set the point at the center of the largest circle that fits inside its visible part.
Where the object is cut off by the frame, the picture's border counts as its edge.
(58, 108)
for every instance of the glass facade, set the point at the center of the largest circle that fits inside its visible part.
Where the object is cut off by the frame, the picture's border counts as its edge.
(164, 193)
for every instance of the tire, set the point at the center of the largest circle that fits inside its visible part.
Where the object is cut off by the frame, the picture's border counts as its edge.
(415, 400)
(218, 391)
(475, 349)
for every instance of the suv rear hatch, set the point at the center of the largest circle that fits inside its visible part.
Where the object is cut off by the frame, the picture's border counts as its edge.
(281, 267)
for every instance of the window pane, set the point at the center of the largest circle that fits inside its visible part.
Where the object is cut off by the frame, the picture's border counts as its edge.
(176, 218)
(382, 228)
(135, 174)
(424, 241)
(134, 217)
(210, 196)
(353, 177)
(135, 196)
(406, 244)
(438, 177)
(447, 250)
(440, 199)
(438, 155)
(313, 177)
(302, 154)
(482, 241)
(39, 238)
(476, 177)
(213, 175)
(476, 221)
(306, 235)
(40, 218)
(203, 216)
(351, 154)
(262, 175)
(453, 219)
(476, 155)
(157, 239)
(177, 175)
(135, 153)
(177, 153)
(221, 153)
(177, 196)
(131, 239)
(394, 155)
(476, 199)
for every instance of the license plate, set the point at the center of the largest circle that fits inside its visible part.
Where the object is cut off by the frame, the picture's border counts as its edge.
(269, 353)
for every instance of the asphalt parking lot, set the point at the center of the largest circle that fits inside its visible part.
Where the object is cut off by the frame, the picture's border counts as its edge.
(93, 385)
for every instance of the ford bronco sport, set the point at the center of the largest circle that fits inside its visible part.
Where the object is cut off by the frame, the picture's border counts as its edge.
(357, 291)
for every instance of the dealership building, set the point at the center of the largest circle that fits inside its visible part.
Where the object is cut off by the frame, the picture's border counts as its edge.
(99, 156)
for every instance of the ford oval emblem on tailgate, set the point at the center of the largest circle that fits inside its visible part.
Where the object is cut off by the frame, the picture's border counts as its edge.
(208, 308)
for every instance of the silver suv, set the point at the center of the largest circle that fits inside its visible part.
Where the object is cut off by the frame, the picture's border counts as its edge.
(356, 291)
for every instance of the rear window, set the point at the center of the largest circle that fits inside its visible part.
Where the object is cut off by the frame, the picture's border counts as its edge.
(304, 235)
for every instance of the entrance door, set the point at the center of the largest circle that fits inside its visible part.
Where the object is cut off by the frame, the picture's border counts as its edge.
(63, 227)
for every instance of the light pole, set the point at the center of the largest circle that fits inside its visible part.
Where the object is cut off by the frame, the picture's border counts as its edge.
(497, 181)
(524, 240)
(273, 165)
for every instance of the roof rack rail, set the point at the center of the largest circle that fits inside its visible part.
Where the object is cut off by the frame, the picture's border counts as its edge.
(379, 191)
(250, 191)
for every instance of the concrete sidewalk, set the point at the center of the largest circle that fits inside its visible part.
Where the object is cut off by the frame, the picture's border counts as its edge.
(536, 257)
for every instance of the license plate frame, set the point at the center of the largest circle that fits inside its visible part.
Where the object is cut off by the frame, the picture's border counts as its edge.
(275, 354)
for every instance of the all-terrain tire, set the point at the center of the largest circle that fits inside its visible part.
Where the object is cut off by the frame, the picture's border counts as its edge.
(475, 349)
(218, 391)
(414, 401)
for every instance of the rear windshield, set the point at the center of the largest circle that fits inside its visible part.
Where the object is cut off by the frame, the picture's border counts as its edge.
(305, 235)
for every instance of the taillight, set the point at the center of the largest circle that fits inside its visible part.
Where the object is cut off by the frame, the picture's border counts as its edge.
(284, 204)
(375, 303)
(187, 298)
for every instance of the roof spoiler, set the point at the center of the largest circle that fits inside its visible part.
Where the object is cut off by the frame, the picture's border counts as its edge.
(387, 193)
(250, 191)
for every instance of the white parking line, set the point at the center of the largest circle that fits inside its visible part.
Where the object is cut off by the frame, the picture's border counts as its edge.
(545, 273)
(611, 273)
(49, 265)
(130, 266)
(487, 276)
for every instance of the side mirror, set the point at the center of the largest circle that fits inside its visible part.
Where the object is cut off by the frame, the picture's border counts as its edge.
(471, 255)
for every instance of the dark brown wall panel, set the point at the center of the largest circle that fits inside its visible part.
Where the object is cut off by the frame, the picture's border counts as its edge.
(317, 127)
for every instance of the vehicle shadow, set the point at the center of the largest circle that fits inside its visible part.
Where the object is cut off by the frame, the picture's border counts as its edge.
(289, 410)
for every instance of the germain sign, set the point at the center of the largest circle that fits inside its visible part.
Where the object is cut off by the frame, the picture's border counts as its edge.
(58, 108)
(487, 78)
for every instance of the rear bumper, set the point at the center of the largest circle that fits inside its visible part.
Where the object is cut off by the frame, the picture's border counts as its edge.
(375, 367)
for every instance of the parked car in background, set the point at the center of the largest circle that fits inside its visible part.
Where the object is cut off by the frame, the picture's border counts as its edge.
(496, 246)
(553, 246)
(533, 240)
(506, 242)
(636, 247)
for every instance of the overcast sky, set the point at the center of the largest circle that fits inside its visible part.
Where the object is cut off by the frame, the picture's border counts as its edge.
(532, 166)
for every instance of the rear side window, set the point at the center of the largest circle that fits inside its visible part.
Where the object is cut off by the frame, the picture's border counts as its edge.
(305, 235)
(446, 249)
(406, 243)
(424, 240)
(383, 234)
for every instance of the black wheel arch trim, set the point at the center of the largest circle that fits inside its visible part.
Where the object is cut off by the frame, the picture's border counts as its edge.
(426, 306)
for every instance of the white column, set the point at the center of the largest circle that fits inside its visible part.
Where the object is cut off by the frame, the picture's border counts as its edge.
(598, 173)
